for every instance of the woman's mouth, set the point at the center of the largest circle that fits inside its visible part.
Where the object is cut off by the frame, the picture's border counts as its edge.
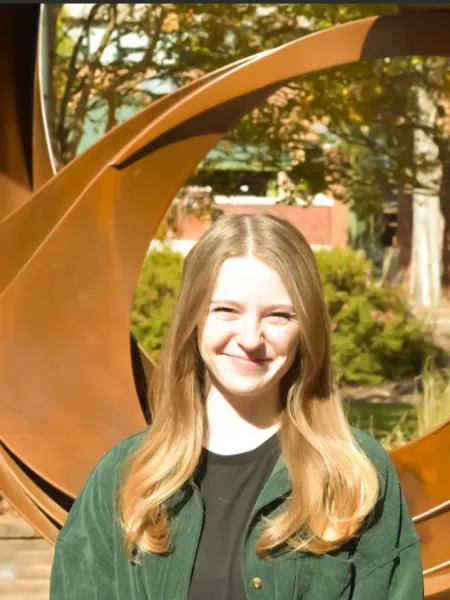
(245, 362)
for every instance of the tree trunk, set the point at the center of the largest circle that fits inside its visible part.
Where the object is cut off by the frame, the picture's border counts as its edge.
(404, 232)
(427, 238)
(445, 208)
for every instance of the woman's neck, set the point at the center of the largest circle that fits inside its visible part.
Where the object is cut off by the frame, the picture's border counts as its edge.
(240, 424)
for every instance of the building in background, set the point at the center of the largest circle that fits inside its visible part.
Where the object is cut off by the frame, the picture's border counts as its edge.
(324, 223)
(229, 180)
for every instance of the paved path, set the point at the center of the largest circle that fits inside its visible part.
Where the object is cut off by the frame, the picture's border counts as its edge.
(25, 561)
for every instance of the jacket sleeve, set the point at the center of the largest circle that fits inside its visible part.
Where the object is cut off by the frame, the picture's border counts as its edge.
(83, 562)
(407, 579)
(76, 577)
(388, 554)
(398, 578)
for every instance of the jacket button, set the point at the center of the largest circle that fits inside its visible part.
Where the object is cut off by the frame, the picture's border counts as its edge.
(257, 583)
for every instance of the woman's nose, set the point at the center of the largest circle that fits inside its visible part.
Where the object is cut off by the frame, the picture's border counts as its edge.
(250, 334)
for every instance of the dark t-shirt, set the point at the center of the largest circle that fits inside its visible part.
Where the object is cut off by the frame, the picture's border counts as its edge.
(230, 486)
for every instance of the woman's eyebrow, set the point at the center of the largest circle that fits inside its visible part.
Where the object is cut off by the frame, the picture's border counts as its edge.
(284, 307)
(225, 301)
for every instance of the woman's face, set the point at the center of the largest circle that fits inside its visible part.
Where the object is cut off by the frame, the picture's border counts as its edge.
(250, 336)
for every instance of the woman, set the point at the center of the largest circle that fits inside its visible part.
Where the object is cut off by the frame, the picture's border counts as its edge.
(249, 483)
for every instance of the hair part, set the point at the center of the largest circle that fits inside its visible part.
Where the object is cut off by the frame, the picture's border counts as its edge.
(334, 485)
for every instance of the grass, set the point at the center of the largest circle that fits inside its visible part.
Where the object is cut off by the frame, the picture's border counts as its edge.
(434, 402)
(381, 418)
(396, 423)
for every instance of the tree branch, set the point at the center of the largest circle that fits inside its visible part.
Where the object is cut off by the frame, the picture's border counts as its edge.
(72, 72)
(146, 59)
(112, 23)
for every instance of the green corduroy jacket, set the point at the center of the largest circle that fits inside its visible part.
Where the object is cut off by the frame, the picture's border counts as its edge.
(89, 562)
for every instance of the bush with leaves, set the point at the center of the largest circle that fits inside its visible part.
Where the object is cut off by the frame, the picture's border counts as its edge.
(155, 297)
(375, 337)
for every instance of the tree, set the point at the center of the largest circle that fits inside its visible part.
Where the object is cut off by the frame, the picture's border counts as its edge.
(353, 130)
(386, 130)
(109, 55)
(96, 68)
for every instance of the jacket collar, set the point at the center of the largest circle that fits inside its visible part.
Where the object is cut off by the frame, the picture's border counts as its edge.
(277, 486)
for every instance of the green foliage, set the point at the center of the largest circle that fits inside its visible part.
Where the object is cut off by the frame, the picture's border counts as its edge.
(155, 297)
(343, 271)
(348, 130)
(375, 338)
(113, 60)
(386, 421)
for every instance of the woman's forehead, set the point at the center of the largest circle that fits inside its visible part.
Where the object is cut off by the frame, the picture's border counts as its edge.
(242, 276)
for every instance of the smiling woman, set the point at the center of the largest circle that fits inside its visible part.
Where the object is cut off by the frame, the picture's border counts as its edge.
(249, 456)
(247, 342)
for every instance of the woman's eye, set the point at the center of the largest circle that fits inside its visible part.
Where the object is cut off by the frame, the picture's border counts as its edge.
(224, 312)
(225, 309)
(280, 317)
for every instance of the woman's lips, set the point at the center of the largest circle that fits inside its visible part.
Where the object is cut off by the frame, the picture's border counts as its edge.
(248, 363)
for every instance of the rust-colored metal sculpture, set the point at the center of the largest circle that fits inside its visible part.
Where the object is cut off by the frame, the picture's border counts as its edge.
(72, 244)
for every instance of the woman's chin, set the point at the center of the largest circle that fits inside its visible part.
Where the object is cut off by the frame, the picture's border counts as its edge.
(246, 389)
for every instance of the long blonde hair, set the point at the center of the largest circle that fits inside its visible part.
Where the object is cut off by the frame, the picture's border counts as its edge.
(334, 485)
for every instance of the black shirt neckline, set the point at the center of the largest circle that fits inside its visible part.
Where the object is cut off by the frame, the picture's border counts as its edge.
(272, 444)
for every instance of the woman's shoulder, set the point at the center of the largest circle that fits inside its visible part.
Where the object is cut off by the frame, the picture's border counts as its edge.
(367, 442)
(123, 449)
(97, 499)
(380, 459)
(372, 448)
(108, 465)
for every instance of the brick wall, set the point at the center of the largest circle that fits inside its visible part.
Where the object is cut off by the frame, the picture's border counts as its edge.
(323, 225)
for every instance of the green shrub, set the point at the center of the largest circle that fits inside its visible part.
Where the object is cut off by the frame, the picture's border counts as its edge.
(375, 337)
(155, 297)
(344, 270)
